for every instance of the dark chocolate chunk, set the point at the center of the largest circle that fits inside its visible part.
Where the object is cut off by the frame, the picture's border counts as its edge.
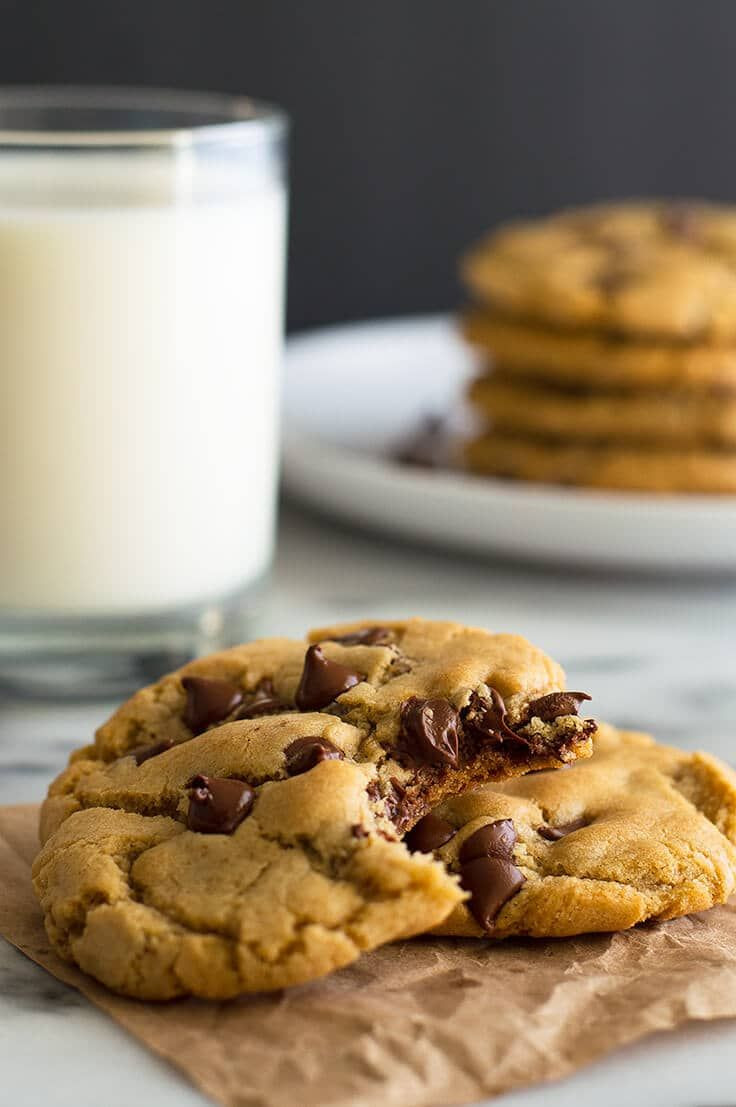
(394, 804)
(487, 870)
(491, 881)
(429, 834)
(144, 753)
(208, 701)
(486, 717)
(554, 833)
(264, 700)
(323, 680)
(359, 831)
(556, 704)
(304, 753)
(397, 803)
(493, 840)
(429, 732)
(368, 636)
(217, 805)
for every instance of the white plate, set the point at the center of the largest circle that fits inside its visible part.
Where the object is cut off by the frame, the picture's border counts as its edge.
(353, 393)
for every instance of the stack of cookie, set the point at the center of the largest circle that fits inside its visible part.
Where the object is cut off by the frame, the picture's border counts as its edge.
(265, 815)
(608, 336)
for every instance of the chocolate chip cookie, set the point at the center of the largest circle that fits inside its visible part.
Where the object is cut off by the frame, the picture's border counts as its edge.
(634, 269)
(621, 465)
(674, 418)
(609, 340)
(236, 826)
(639, 831)
(594, 359)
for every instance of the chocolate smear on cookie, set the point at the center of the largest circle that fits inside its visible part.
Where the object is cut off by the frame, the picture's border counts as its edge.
(430, 732)
(556, 704)
(144, 753)
(323, 680)
(208, 701)
(554, 833)
(486, 717)
(217, 805)
(488, 872)
(394, 800)
(304, 753)
(264, 700)
(367, 636)
(429, 834)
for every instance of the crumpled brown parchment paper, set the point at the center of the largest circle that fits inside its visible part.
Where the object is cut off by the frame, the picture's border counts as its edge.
(418, 1024)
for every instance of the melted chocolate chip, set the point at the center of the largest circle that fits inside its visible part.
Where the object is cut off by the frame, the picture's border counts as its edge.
(263, 701)
(208, 701)
(487, 870)
(429, 732)
(323, 680)
(304, 753)
(359, 831)
(486, 717)
(368, 636)
(217, 805)
(394, 801)
(554, 833)
(556, 704)
(491, 881)
(429, 834)
(144, 753)
(493, 840)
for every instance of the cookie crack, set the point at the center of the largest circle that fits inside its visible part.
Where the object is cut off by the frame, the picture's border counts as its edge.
(74, 928)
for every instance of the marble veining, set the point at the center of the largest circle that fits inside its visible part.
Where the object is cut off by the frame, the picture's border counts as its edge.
(22, 990)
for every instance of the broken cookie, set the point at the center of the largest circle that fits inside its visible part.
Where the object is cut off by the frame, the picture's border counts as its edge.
(639, 831)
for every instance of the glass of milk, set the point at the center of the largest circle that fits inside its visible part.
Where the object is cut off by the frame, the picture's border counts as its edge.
(142, 246)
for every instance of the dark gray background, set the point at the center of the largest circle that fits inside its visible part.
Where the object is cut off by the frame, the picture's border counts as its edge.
(419, 122)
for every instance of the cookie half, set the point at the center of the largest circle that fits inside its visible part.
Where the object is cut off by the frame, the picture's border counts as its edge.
(251, 857)
(236, 826)
(639, 831)
(634, 269)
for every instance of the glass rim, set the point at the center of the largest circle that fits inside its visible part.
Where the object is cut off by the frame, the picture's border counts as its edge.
(243, 120)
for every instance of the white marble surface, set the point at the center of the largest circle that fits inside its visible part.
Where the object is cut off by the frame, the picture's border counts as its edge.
(658, 654)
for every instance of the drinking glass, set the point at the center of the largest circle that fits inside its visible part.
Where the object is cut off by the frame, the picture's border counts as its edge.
(142, 253)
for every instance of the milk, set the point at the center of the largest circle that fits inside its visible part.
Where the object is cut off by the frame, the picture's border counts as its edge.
(140, 343)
